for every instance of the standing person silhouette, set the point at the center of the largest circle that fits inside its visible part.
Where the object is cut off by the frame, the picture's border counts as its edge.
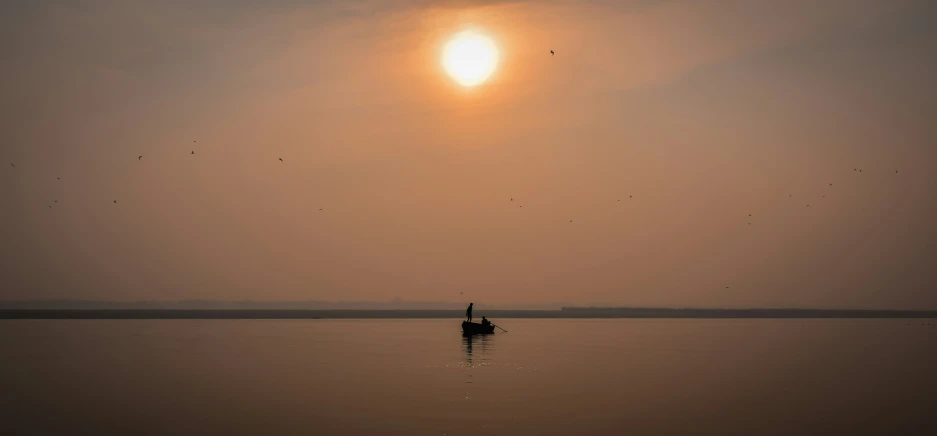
(468, 312)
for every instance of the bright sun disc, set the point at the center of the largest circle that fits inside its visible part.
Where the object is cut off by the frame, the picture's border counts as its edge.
(470, 58)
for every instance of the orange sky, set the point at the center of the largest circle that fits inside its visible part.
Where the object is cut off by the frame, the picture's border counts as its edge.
(703, 111)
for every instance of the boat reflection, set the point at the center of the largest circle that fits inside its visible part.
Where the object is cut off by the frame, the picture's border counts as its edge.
(476, 346)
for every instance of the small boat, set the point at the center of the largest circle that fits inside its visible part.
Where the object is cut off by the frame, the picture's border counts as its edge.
(474, 328)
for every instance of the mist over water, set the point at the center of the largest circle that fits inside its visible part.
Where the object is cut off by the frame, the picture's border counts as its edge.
(419, 377)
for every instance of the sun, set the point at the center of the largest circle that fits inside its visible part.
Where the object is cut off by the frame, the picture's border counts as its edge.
(470, 58)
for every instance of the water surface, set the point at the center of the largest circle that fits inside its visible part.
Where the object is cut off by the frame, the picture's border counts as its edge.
(421, 377)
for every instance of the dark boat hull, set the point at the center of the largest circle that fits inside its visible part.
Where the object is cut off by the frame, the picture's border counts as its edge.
(474, 328)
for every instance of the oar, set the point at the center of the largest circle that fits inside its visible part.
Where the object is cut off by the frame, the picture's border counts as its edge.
(500, 328)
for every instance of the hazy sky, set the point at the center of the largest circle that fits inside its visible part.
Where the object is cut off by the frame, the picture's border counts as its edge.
(704, 111)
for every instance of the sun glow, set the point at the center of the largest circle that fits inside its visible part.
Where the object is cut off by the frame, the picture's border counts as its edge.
(470, 58)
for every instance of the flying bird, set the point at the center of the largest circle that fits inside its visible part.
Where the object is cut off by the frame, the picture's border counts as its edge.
(896, 171)
(570, 220)
(807, 206)
(749, 223)
(58, 178)
(749, 214)
(831, 184)
(193, 151)
(55, 201)
(320, 208)
(551, 53)
(281, 159)
(790, 195)
(140, 157)
(512, 198)
(115, 201)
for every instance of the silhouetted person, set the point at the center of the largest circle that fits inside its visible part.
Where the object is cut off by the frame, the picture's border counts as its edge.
(485, 322)
(468, 312)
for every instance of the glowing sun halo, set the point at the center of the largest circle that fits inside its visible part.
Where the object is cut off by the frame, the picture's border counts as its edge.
(470, 58)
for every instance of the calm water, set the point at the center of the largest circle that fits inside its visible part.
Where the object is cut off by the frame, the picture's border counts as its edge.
(421, 377)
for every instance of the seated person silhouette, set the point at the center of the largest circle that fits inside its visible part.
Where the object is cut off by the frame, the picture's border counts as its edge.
(485, 322)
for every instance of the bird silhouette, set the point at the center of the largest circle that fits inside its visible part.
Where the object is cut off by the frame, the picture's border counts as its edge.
(570, 220)
(860, 171)
(790, 195)
(807, 206)
(11, 164)
(551, 53)
(896, 171)
(512, 198)
(281, 159)
(58, 178)
(855, 169)
(831, 184)
(115, 201)
(749, 214)
(727, 287)
(50, 207)
(140, 157)
(193, 152)
(749, 223)
(55, 201)
(630, 196)
(320, 208)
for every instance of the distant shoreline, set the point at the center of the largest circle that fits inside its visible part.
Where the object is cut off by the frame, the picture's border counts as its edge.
(565, 313)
